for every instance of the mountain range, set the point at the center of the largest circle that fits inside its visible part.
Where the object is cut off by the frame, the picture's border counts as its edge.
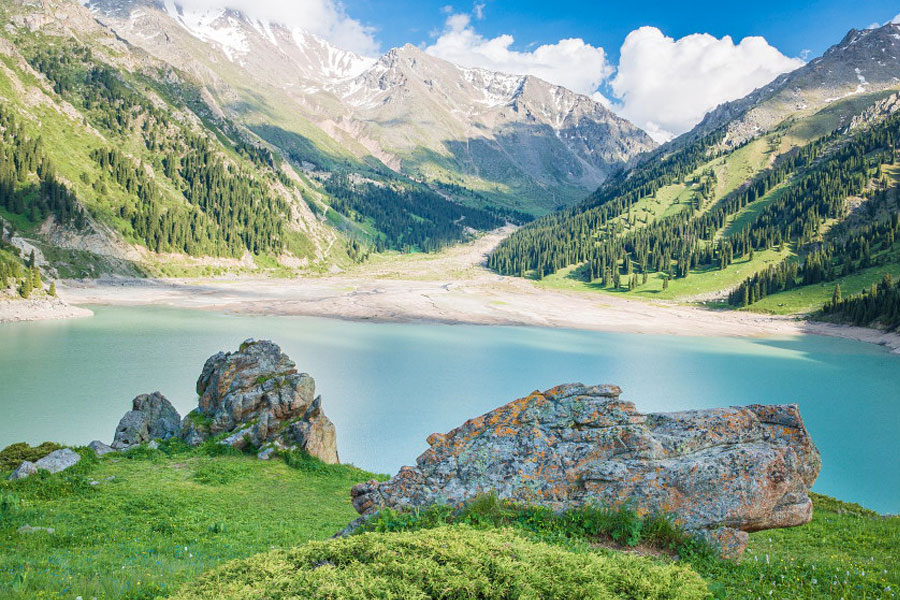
(518, 140)
(775, 202)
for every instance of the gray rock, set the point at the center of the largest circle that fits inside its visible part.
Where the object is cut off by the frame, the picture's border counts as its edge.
(152, 417)
(257, 397)
(58, 460)
(100, 448)
(24, 470)
(722, 472)
(153, 445)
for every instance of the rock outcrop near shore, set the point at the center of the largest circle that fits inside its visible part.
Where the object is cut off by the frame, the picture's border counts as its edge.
(252, 397)
(722, 472)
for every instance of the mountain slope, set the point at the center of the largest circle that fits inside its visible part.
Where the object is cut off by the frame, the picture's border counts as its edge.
(108, 152)
(861, 67)
(759, 206)
(113, 161)
(518, 141)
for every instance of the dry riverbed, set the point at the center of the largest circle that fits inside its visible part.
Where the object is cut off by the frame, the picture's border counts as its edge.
(450, 287)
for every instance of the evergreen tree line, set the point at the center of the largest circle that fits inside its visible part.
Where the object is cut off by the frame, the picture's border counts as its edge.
(817, 177)
(229, 210)
(408, 217)
(835, 258)
(568, 236)
(822, 196)
(879, 305)
(28, 185)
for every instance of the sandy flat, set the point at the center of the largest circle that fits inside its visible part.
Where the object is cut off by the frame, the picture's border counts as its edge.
(39, 310)
(450, 287)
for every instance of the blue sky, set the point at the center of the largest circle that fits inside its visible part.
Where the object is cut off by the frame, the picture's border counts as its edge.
(791, 27)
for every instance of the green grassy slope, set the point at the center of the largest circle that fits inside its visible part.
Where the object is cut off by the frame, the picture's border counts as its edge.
(139, 526)
(670, 208)
(153, 521)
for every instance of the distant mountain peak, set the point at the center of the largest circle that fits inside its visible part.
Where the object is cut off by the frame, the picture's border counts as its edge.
(514, 135)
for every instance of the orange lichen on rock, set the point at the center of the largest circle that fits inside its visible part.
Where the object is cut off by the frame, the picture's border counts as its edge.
(722, 472)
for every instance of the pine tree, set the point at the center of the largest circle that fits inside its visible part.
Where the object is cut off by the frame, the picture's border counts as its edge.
(836, 297)
(25, 287)
(53, 289)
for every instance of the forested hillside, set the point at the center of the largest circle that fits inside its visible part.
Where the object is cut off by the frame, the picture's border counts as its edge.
(772, 224)
(111, 161)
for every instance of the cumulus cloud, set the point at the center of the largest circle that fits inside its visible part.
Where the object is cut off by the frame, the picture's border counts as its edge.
(326, 18)
(663, 85)
(666, 86)
(571, 63)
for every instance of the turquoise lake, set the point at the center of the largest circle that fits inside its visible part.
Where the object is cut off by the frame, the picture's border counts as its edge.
(388, 386)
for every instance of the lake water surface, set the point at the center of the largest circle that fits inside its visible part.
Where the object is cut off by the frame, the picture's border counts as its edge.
(388, 386)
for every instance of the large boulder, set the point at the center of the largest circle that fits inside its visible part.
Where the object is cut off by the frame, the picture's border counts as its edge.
(56, 461)
(255, 396)
(151, 417)
(721, 472)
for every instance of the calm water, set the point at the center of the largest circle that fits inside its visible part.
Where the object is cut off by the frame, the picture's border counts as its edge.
(387, 386)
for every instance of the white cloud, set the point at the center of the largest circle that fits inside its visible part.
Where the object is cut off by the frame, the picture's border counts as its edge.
(666, 86)
(896, 20)
(571, 63)
(662, 85)
(326, 18)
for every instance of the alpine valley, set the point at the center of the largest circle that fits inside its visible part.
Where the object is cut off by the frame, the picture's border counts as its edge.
(597, 365)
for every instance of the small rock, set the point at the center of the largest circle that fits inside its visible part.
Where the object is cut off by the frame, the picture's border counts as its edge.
(152, 417)
(153, 445)
(58, 460)
(27, 529)
(24, 470)
(100, 448)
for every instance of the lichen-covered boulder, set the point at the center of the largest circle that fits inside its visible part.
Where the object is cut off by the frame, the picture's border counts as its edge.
(151, 417)
(257, 397)
(722, 472)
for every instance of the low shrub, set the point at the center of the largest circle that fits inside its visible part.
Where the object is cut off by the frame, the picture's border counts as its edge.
(13, 455)
(451, 562)
(620, 524)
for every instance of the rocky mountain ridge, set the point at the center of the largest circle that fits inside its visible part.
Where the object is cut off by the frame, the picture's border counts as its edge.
(863, 64)
(503, 135)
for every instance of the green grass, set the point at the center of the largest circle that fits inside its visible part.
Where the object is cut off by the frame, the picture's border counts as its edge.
(845, 552)
(154, 521)
(809, 298)
(451, 562)
(697, 284)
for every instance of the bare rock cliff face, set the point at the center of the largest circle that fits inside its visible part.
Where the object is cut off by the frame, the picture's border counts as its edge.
(722, 472)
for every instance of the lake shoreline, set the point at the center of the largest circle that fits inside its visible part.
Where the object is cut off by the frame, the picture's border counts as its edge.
(504, 302)
(39, 309)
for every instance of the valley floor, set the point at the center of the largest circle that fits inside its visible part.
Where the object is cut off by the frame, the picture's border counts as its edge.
(449, 287)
